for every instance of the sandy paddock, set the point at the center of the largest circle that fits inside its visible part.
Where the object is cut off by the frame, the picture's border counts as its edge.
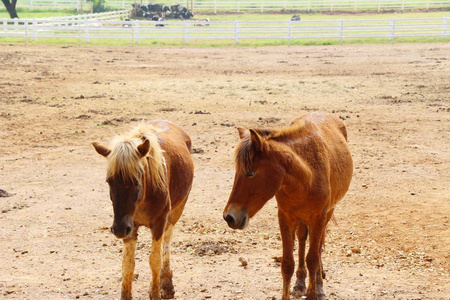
(392, 234)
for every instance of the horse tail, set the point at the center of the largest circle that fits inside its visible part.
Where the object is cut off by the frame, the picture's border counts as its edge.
(189, 144)
(343, 130)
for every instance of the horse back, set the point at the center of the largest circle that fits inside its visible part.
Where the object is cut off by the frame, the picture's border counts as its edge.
(321, 118)
(331, 159)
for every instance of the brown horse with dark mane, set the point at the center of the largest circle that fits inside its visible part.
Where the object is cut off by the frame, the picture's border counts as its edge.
(150, 173)
(308, 168)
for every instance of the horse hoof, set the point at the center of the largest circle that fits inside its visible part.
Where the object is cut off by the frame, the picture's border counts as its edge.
(320, 296)
(167, 292)
(125, 295)
(298, 291)
(155, 297)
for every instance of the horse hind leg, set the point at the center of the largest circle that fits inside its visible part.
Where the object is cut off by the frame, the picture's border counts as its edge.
(300, 286)
(321, 272)
(313, 259)
(128, 263)
(166, 286)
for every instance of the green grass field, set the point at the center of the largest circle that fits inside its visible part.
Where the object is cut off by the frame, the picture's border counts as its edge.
(39, 13)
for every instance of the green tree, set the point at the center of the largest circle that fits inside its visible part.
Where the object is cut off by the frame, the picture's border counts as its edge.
(11, 8)
(98, 6)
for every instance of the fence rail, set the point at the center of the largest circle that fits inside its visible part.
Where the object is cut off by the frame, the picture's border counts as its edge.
(238, 6)
(187, 31)
(105, 16)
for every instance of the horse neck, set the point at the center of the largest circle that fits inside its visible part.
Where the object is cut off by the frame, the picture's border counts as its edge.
(298, 172)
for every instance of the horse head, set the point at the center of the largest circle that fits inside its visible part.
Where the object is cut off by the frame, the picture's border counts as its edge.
(258, 177)
(124, 177)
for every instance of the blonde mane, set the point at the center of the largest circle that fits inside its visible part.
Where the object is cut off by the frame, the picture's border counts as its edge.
(126, 161)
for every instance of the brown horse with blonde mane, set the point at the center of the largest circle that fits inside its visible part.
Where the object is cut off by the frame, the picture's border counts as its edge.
(308, 168)
(150, 173)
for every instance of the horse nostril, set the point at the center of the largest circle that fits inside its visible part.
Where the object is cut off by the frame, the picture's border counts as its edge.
(229, 219)
(127, 230)
(112, 230)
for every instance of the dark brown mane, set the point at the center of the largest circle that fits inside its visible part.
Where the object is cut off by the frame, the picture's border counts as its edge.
(244, 155)
(290, 132)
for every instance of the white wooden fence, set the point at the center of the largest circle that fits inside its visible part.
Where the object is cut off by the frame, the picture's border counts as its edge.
(85, 30)
(110, 15)
(216, 6)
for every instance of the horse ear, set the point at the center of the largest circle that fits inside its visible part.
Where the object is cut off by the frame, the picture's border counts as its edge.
(241, 132)
(144, 148)
(256, 139)
(102, 150)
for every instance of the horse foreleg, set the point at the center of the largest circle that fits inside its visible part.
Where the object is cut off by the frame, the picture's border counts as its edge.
(167, 289)
(302, 235)
(129, 246)
(155, 266)
(287, 228)
(313, 259)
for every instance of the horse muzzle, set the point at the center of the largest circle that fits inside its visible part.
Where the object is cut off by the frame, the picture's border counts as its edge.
(236, 219)
(123, 228)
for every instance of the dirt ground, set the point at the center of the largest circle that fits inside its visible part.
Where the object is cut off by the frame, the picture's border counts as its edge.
(392, 237)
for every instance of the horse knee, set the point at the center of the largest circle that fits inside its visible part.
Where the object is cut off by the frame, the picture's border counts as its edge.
(287, 267)
(312, 261)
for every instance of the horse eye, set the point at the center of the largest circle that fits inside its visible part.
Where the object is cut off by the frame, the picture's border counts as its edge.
(250, 174)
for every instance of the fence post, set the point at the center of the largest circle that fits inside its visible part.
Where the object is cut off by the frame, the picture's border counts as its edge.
(31, 4)
(308, 9)
(184, 35)
(187, 32)
(428, 4)
(26, 32)
(332, 5)
(53, 26)
(392, 30)
(215, 6)
(239, 7)
(35, 32)
(132, 33)
(341, 31)
(86, 31)
(137, 32)
(262, 7)
(289, 32)
(445, 27)
(354, 5)
(79, 30)
(379, 6)
(236, 32)
(403, 5)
